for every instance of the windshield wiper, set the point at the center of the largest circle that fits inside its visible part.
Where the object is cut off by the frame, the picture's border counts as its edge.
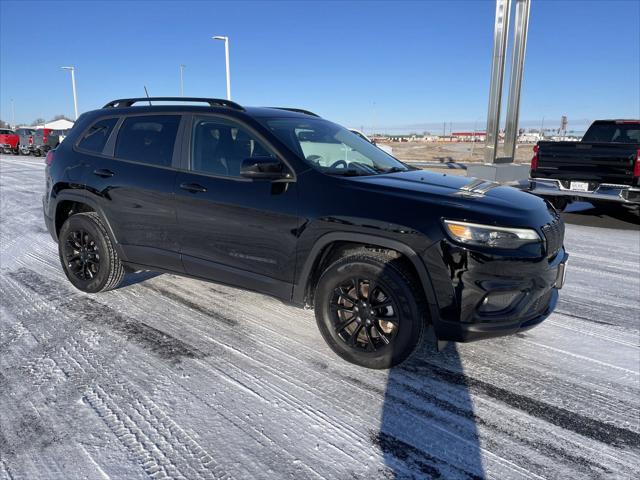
(346, 172)
(395, 169)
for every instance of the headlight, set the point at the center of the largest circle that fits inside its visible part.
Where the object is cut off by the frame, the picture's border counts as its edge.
(490, 236)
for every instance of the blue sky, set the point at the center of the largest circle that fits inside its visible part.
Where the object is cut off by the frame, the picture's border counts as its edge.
(395, 65)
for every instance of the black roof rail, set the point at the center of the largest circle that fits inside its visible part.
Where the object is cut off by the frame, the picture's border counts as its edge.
(298, 110)
(213, 102)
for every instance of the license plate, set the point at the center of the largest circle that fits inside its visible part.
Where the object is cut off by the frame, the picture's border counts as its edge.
(562, 275)
(579, 186)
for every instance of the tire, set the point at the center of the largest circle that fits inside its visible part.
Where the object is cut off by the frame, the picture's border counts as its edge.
(357, 333)
(559, 203)
(87, 255)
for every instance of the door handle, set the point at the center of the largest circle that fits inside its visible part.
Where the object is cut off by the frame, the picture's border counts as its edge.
(103, 172)
(193, 187)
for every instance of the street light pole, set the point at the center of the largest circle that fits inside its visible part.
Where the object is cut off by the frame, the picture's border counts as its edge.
(13, 115)
(182, 80)
(73, 85)
(226, 58)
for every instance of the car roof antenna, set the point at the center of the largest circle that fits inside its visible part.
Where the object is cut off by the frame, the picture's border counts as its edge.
(146, 93)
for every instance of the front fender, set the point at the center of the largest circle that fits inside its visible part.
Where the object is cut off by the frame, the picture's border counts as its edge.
(306, 270)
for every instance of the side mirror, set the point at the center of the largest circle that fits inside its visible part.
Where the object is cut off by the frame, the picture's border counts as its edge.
(267, 168)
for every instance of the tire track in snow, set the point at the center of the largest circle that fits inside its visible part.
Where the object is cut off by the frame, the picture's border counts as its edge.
(160, 445)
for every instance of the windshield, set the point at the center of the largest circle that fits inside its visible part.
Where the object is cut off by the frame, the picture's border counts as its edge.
(331, 148)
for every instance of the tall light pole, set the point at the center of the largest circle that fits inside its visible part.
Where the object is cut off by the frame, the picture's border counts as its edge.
(226, 57)
(182, 80)
(73, 85)
(13, 115)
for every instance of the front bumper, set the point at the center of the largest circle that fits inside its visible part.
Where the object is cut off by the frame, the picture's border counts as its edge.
(604, 191)
(471, 281)
(469, 332)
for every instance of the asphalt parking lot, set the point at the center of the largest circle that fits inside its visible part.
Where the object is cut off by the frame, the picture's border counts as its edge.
(168, 377)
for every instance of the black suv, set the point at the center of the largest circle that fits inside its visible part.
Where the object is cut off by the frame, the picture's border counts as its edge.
(283, 202)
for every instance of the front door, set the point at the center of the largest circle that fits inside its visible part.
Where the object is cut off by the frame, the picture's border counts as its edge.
(235, 230)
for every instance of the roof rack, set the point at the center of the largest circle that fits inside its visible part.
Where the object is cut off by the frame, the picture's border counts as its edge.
(298, 110)
(213, 102)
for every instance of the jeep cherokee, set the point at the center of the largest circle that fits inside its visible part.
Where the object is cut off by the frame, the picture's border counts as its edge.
(283, 202)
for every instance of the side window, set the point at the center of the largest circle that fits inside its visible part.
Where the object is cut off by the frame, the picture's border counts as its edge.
(148, 139)
(219, 147)
(96, 137)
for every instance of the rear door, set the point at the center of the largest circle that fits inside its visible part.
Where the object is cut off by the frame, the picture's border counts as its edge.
(134, 182)
(234, 230)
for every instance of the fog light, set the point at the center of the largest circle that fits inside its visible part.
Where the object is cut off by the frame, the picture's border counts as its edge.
(498, 301)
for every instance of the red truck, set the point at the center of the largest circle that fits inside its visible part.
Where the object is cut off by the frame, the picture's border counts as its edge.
(9, 141)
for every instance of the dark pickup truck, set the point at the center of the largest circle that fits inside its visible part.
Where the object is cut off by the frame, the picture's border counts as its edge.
(603, 167)
(45, 139)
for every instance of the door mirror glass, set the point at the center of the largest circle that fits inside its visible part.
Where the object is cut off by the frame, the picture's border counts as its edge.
(263, 167)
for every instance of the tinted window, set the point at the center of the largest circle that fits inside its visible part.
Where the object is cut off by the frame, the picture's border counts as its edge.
(148, 139)
(219, 147)
(96, 137)
(613, 132)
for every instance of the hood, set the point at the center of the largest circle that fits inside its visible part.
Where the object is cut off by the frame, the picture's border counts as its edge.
(472, 197)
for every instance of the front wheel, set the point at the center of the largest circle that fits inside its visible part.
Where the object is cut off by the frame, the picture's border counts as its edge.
(370, 309)
(88, 257)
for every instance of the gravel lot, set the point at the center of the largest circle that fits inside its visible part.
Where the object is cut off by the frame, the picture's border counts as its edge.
(173, 377)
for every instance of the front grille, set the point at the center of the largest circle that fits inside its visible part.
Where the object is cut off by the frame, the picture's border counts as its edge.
(554, 236)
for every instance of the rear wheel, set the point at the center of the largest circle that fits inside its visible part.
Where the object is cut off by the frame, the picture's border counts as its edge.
(88, 257)
(369, 309)
(559, 203)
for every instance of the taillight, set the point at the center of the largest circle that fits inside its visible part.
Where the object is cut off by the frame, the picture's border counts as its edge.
(534, 159)
(636, 165)
(44, 139)
(30, 140)
(49, 158)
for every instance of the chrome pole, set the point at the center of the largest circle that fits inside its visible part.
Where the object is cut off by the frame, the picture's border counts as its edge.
(501, 31)
(515, 81)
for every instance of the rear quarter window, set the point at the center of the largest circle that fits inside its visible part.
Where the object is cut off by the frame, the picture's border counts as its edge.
(148, 139)
(95, 138)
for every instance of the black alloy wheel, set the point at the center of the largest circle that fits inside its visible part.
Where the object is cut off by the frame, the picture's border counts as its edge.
(87, 254)
(370, 308)
(81, 254)
(365, 315)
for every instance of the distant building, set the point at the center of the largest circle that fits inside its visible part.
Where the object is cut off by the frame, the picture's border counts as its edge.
(469, 136)
(61, 124)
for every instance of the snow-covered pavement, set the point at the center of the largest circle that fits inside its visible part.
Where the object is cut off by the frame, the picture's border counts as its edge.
(169, 377)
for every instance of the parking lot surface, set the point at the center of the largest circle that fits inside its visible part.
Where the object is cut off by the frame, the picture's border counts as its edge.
(168, 377)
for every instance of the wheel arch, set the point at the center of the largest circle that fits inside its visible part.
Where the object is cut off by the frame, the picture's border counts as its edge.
(74, 199)
(326, 245)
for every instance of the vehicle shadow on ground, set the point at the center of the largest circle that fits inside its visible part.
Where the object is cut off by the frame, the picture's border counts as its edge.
(137, 277)
(601, 216)
(428, 426)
